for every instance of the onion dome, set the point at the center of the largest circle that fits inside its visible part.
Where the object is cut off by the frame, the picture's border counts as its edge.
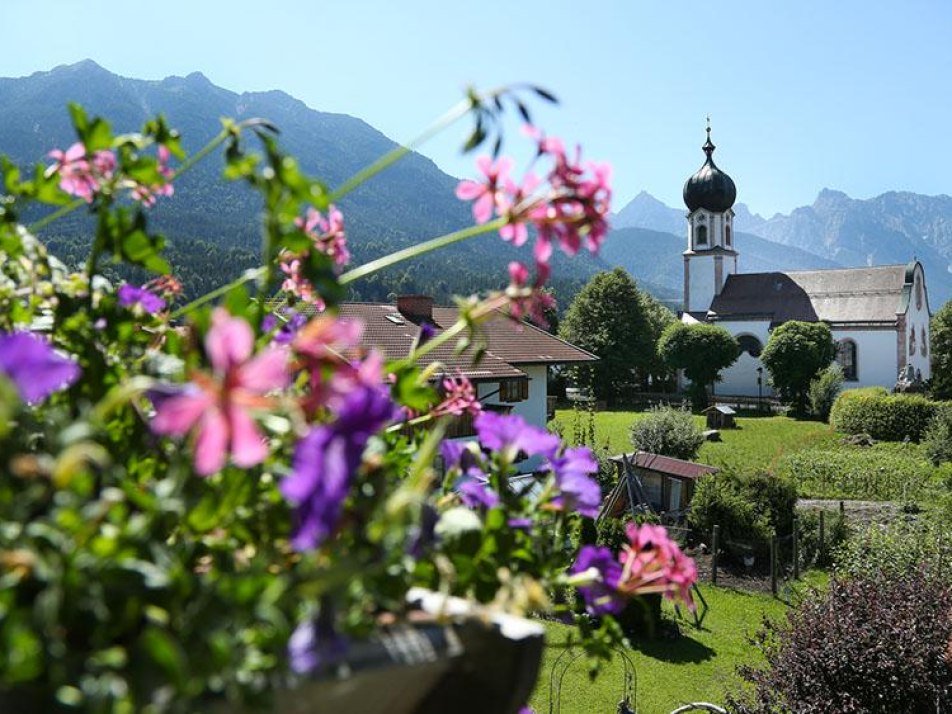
(709, 188)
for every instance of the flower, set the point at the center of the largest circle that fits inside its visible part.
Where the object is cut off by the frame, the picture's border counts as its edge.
(216, 407)
(326, 460)
(510, 434)
(653, 563)
(486, 195)
(327, 233)
(147, 194)
(140, 299)
(314, 644)
(578, 491)
(476, 493)
(603, 572)
(459, 397)
(528, 301)
(286, 327)
(80, 174)
(34, 367)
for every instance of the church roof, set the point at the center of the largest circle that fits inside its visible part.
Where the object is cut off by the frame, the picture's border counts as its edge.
(709, 188)
(848, 295)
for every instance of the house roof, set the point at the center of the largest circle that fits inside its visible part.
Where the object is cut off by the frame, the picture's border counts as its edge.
(722, 408)
(667, 465)
(848, 295)
(509, 343)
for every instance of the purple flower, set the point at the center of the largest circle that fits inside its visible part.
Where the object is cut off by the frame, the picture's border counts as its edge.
(287, 330)
(459, 454)
(427, 331)
(34, 367)
(132, 297)
(475, 493)
(508, 432)
(326, 459)
(314, 644)
(523, 524)
(579, 491)
(601, 596)
(423, 534)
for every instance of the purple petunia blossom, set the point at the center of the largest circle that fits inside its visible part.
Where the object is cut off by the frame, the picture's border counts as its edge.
(601, 596)
(508, 432)
(287, 330)
(427, 331)
(132, 297)
(475, 493)
(579, 491)
(313, 645)
(326, 459)
(460, 454)
(520, 523)
(34, 367)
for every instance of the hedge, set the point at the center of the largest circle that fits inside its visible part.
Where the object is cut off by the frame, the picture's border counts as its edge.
(884, 416)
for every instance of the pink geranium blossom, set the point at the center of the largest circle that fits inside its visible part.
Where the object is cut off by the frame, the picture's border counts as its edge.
(529, 301)
(80, 174)
(653, 563)
(486, 194)
(327, 233)
(147, 194)
(217, 407)
(459, 397)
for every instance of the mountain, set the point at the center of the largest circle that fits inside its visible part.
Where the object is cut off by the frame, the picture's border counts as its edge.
(836, 231)
(213, 226)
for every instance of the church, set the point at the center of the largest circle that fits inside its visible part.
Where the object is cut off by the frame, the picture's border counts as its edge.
(879, 315)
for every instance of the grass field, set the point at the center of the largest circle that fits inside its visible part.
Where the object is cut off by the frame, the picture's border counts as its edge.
(757, 444)
(699, 666)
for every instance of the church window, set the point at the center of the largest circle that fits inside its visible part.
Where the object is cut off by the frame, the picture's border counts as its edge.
(918, 293)
(924, 344)
(749, 344)
(727, 236)
(700, 233)
(846, 358)
(912, 340)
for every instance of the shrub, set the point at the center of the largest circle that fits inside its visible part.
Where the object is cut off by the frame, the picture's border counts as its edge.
(881, 472)
(875, 643)
(937, 439)
(837, 533)
(749, 509)
(888, 417)
(669, 432)
(824, 390)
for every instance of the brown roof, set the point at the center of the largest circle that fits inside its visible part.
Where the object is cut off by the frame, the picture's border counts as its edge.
(848, 295)
(508, 342)
(669, 466)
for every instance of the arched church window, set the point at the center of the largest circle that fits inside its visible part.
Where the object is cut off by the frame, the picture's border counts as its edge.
(924, 343)
(700, 235)
(846, 358)
(918, 293)
(727, 236)
(912, 340)
(749, 344)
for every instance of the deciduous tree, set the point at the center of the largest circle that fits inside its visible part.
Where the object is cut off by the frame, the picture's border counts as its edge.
(702, 351)
(795, 353)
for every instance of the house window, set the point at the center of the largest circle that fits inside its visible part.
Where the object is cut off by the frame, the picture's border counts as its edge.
(700, 235)
(846, 357)
(924, 343)
(750, 344)
(514, 390)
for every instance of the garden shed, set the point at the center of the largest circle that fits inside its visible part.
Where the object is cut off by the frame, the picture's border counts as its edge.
(651, 483)
(720, 416)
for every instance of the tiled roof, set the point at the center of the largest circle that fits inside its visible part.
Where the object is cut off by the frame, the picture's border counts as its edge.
(509, 343)
(668, 465)
(849, 295)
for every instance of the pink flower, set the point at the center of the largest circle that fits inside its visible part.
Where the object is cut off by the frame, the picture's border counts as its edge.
(486, 195)
(147, 194)
(529, 300)
(82, 175)
(653, 563)
(216, 407)
(327, 233)
(459, 397)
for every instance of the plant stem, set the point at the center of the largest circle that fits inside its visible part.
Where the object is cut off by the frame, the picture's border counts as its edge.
(55, 215)
(252, 274)
(419, 249)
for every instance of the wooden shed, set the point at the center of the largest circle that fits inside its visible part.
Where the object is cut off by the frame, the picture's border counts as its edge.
(720, 416)
(651, 483)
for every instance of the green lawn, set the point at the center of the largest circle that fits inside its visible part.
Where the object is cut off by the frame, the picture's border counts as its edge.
(757, 444)
(698, 666)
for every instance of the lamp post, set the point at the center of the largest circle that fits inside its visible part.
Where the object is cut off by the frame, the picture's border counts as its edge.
(760, 388)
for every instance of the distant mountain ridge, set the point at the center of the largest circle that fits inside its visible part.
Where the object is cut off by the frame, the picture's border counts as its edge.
(835, 231)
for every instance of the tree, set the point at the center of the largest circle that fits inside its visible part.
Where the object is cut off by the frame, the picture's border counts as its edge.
(941, 349)
(702, 351)
(655, 375)
(795, 353)
(608, 319)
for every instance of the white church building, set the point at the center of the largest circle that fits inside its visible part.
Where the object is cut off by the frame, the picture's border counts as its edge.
(879, 315)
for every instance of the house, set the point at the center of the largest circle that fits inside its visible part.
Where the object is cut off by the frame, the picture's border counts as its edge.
(720, 416)
(511, 374)
(651, 483)
(879, 315)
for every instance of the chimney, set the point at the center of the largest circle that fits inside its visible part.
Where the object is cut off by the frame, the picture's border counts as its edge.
(416, 308)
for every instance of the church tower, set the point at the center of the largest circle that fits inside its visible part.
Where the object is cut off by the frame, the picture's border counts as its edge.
(710, 258)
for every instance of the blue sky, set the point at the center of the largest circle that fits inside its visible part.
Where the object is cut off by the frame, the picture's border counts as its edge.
(803, 95)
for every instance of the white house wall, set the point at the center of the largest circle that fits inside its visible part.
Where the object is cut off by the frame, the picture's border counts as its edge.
(740, 379)
(876, 363)
(701, 282)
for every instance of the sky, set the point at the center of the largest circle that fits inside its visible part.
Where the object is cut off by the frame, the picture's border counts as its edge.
(802, 95)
